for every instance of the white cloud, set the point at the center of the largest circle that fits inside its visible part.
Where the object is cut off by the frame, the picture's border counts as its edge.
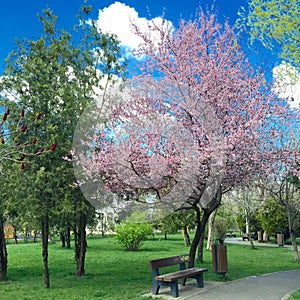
(117, 19)
(287, 83)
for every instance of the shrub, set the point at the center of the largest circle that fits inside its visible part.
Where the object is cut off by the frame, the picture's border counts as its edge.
(132, 235)
(221, 228)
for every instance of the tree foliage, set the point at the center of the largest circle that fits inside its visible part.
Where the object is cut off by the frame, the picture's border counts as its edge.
(275, 23)
(273, 217)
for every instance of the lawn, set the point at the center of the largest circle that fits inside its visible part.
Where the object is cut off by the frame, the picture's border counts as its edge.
(113, 273)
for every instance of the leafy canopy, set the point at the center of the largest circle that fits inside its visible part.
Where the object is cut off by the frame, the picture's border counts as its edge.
(275, 23)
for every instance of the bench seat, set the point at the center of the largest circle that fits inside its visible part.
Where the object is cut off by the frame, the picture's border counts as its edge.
(180, 274)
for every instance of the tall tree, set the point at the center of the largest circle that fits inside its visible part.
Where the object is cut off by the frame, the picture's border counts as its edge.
(58, 75)
(249, 200)
(189, 128)
(16, 149)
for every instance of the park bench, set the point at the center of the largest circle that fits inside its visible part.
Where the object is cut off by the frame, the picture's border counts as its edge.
(230, 234)
(171, 279)
(253, 236)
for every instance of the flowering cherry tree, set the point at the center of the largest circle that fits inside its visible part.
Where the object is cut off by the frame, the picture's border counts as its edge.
(185, 130)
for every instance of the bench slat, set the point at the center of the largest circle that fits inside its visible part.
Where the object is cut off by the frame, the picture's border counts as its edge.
(180, 274)
(169, 261)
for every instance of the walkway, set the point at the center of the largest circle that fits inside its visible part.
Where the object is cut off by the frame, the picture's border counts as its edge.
(274, 286)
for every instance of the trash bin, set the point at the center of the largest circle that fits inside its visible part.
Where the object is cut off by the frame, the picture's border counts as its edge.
(280, 239)
(259, 236)
(219, 257)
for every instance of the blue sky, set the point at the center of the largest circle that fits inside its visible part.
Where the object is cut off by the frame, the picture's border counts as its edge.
(18, 19)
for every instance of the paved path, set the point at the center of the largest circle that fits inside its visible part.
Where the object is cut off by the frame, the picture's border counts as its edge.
(266, 287)
(274, 286)
(239, 241)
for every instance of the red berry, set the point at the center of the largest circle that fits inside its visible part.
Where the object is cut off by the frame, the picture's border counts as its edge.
(23, 128)
(52, 147)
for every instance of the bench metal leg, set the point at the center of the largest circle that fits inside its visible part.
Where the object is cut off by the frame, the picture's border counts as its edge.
(199, 279)
(155, 287)
(174, 288)
(183, 281)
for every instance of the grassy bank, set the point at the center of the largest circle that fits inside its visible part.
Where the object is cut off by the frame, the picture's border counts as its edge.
(113, 273)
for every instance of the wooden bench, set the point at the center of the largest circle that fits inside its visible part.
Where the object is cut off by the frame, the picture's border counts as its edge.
(171, 279)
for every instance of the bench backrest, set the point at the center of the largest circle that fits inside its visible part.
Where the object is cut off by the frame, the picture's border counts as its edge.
(168, 261)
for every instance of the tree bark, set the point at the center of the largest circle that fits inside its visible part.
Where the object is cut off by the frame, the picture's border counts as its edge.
(211, 222)
(35, 236)
(45, 236)
(15, 235)
(200, 247)
(200, 228)
(251, 240)
(201, 223)
(3, 251)
(80, 245)
(295, 247)
(291, 219)
(68, 237)
(186, 236)
(62, 239)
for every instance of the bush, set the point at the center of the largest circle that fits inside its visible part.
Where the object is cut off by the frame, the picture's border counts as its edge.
(221, 228)
(132, 235)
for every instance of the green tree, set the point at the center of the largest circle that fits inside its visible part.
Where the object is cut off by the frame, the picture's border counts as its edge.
(275, 23)
(57, 75)
(179, 220)
(15, 150)
(273, 217)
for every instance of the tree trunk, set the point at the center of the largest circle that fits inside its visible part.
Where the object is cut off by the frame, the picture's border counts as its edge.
(291, 219)
(68, 237)
(186, 236)
(62, 239)
(250, 240)
(35, 236)
(201, 246)
(211, 223)
(3, 252)
(200, 228)
(45, 236)
(80, 245)
(201, 223)
(15, 235)
(295, 247)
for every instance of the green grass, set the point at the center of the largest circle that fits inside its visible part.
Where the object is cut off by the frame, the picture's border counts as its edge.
(113, 273)
(295, 296)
